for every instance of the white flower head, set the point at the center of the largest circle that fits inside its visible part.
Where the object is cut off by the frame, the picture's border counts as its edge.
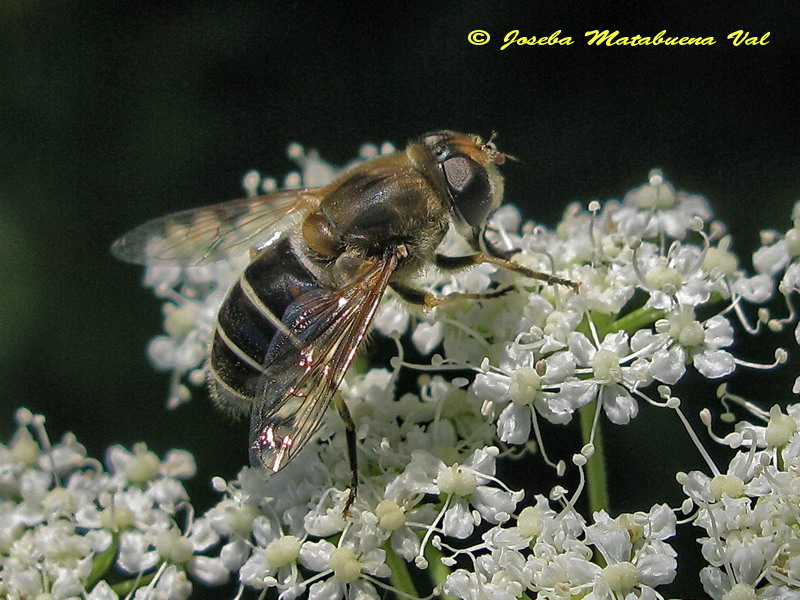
(67, 522)
(655, 208)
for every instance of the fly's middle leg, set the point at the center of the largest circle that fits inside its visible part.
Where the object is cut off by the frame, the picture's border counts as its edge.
(350, 433)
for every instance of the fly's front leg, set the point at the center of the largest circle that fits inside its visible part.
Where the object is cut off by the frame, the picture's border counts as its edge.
(452, 263)
(492, 250)
(350, 433)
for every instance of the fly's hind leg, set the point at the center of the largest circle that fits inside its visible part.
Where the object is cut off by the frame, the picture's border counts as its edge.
(430, 300)
(352, 456)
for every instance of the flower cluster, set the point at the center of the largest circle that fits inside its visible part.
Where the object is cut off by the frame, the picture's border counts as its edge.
(550, 554)
(661, 294)
(750, 512)
(66, 521)
(635, 323)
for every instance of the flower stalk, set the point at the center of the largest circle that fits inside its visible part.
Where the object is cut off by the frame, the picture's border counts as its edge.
(400, 577)
(597, 493)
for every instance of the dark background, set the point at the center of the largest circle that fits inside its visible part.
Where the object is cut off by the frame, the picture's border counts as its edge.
(112, 116)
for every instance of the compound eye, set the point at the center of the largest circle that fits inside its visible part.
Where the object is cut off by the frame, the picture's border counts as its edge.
(469, 188)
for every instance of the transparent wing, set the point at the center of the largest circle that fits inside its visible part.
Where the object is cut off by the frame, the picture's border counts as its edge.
(210, 233)
(305, 367)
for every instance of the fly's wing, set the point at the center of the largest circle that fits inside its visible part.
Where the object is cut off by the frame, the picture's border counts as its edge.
(210, 233)
(305, 366)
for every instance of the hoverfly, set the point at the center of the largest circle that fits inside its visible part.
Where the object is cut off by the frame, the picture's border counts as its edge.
(321, 261)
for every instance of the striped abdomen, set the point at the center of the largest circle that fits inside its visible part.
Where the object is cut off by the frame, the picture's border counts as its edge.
(247, 322)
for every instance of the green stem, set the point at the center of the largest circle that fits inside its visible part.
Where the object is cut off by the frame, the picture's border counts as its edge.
(400, 577)
(102, 562)
(596, 475)
(635, 320)
(436, 570)
(123, 588)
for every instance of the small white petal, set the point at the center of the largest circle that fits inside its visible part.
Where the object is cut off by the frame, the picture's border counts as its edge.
(328, 589)
(102, 591)
(514, 424)
(719, 332)
(668, 366)
(458, 520)
(494, 505)
(618, 404)
(427, 336)
(235, 554)
(581, 348)
(714, 364)
(771, 259)
(657, 569)
(757, 289)
(316, 555)
(210, 571)
(363, 590)
(406, 543)
(492, 386)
